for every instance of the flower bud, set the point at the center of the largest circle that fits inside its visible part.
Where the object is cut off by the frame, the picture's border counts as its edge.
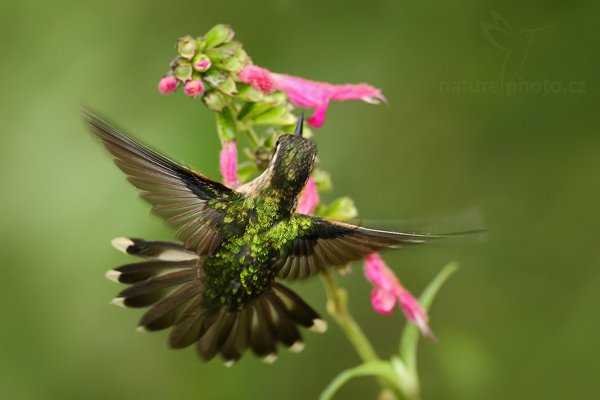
(186, 47)
(214, 101)
(219, 34)
(250, 94)
(231, 64)
(194, 88)
(201, 63)
(183, 71)
(278, 115)
(167, 85)
(221, 81)
(225, 51)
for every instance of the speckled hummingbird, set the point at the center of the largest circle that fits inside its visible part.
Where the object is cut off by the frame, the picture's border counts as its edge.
(219, 286)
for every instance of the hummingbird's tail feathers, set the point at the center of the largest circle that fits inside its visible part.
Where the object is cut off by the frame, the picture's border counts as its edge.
(140, 271)
(153, 289)
(269, 319)
(157, 249)
(176, 295)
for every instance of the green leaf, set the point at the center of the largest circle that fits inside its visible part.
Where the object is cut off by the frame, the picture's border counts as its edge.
(382, 369)
(226, 125)
(341, 209)
(410, 335)
(322, 180)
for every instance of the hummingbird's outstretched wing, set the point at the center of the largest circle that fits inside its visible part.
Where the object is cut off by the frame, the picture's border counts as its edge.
(177, 193)
(329, 243)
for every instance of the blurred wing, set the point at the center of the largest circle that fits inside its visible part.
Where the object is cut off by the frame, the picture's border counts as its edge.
(178, 194)
(327, 243)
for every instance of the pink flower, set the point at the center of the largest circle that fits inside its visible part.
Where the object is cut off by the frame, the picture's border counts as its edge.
(388, 291)
(194, 88)
(259, 78)
(228, 164)
(168, 84)
(309, 198)
(306, 93)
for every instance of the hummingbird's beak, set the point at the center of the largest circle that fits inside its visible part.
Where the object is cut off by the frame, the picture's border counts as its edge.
(299, 125)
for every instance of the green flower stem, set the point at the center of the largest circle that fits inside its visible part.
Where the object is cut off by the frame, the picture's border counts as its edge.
(337, 306)
(253, 137)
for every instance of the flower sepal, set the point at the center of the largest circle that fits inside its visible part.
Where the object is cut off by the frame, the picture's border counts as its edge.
(250, 94)
(182, 70)
(215, 101)
(221, 81)
(186, 47)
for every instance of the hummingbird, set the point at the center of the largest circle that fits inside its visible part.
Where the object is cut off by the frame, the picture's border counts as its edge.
(219, 286)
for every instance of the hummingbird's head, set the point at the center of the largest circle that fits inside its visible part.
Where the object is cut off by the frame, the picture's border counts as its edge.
(292, 161)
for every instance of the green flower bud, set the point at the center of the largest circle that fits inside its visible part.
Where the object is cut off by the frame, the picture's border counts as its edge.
(200, 44)
(186, 47)
(215, 101)
(279, 115)
(251, 110)
(231, 64)
(250, 94)
(183, 70)
(225, 51)
(241, 54)
(221, 81)
(219, 34)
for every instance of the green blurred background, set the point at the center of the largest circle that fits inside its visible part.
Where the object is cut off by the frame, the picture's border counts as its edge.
(518, 321)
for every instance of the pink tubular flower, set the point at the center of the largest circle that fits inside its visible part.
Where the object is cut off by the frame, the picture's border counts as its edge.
(168, 84)
(228, 164)
(309, 198)
(388, 291)
(306, 93)
(194, 88)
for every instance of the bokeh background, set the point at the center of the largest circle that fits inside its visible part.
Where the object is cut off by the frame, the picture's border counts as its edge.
(518, 321)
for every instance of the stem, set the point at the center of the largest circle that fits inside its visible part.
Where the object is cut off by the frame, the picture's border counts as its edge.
(253, 137)
(337, 306)
(338, 309)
